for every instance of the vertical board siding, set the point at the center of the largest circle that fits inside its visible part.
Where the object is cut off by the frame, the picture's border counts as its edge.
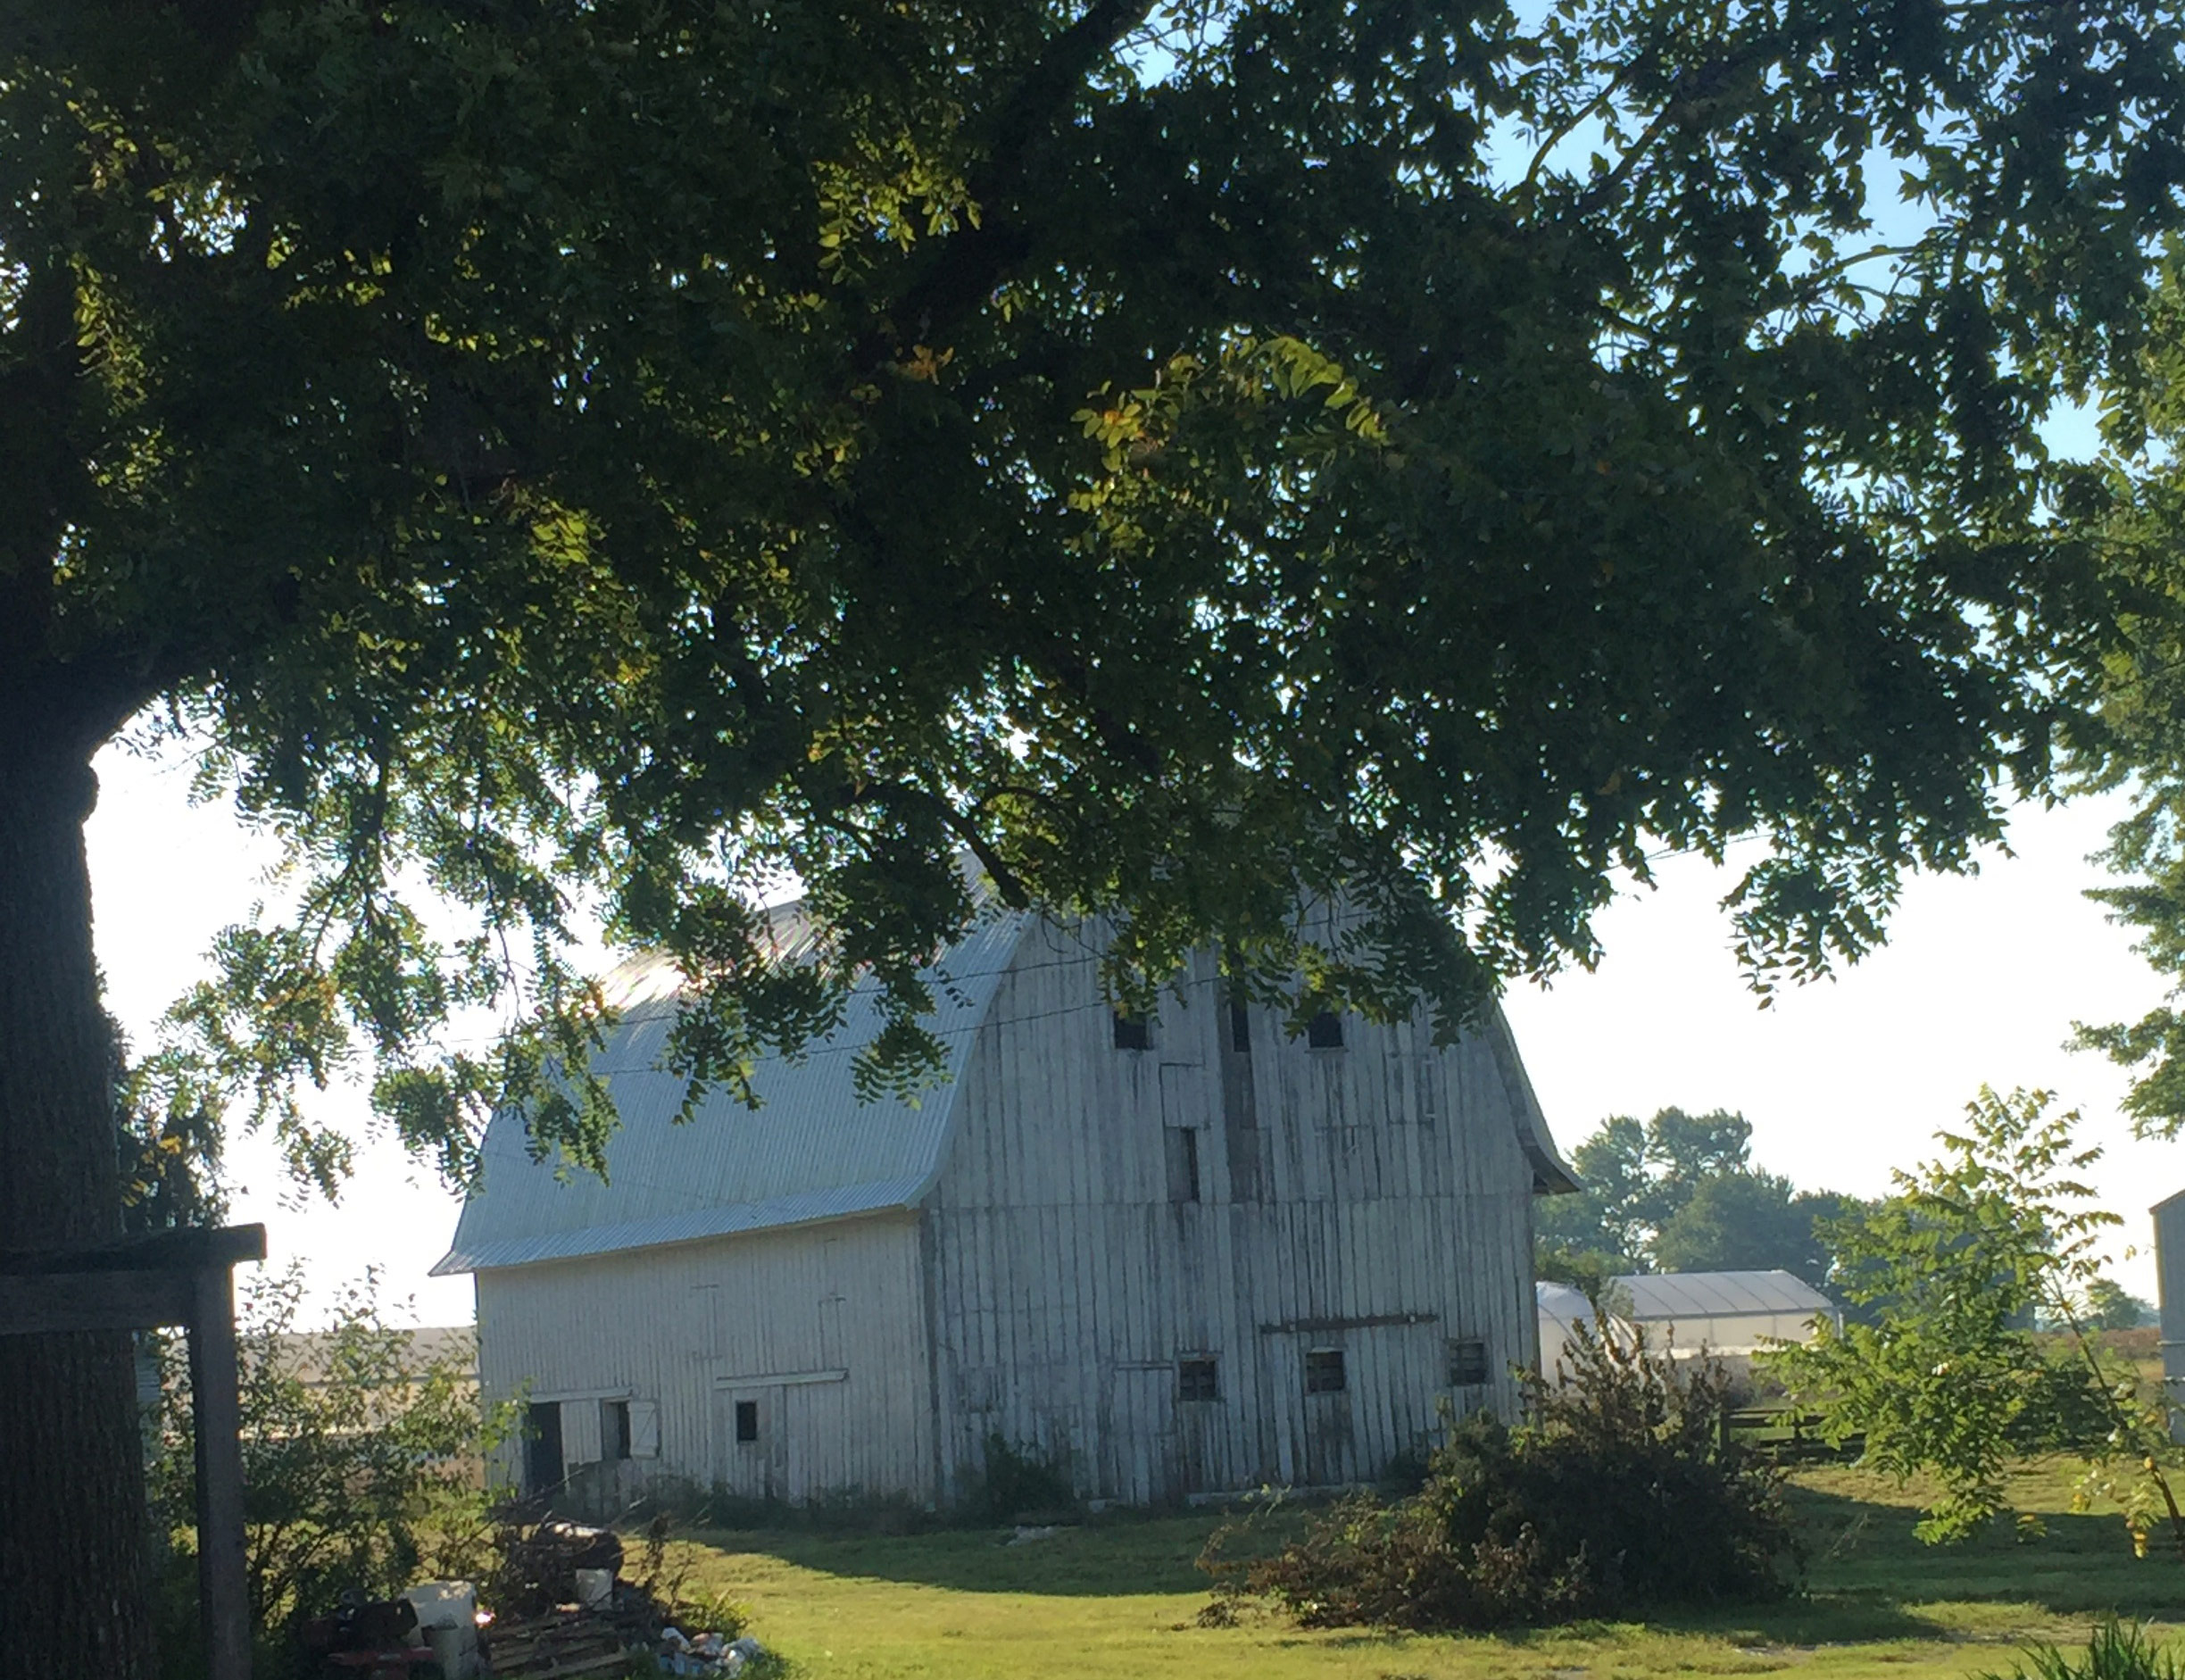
(1373, 1198)
(1380, 1180)
(676, 1325)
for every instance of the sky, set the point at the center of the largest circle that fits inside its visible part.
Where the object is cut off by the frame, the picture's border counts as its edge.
(1981, 982)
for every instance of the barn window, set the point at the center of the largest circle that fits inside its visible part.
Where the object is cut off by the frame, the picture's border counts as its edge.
(1133, 1032)
(747, 1422)
(1467, 1363)
(1198, 1379)
(1240, 1026)
(1325, 1031)
(1323, 1371)
(614, 1430)
(1182, 1163)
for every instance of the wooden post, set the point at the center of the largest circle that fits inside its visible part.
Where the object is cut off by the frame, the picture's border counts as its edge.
(173, 1278)
(224, 1584)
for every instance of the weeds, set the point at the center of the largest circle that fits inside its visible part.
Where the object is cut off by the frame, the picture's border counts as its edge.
(2114, 1651)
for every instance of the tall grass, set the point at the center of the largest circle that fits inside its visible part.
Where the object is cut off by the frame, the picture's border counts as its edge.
(2114, 1651)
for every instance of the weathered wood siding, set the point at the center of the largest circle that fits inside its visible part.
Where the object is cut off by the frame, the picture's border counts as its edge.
(821, 1328)
(1372, 1199)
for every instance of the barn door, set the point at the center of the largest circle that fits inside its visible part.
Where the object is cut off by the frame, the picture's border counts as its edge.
(1312, 1383)
(543, 1465)
(749, 1443)
(1144, 1435)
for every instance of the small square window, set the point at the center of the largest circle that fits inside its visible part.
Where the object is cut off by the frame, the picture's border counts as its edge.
(1325, 1031)
(747, 1422)
(1323, 1371)
(614, 1430)
(1467, 1363)
(1198, 1379)
(1133, 1032)
(1240, 1026)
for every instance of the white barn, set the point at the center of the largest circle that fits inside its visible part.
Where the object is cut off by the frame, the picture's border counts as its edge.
(1184, 1255)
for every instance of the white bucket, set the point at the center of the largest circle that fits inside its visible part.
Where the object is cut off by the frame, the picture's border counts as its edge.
(447, 1618)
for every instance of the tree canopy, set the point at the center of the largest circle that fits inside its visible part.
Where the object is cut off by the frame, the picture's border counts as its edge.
(1751, 1221)
(665, 449)
(613, 456)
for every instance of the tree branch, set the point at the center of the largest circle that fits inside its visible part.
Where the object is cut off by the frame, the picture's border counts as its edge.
(976, 260)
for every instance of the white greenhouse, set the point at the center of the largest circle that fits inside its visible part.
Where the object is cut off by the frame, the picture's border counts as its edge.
(1723, 1312)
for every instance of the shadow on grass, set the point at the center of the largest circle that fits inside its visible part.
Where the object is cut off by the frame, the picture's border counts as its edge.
(1114, 1556)
(1868, 1577)
(1866, 1550)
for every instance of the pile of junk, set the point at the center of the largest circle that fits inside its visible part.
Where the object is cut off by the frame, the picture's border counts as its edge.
(562, 1609)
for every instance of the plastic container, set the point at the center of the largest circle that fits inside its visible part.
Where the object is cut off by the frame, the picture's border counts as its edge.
(594, 1588)
(447, 1619)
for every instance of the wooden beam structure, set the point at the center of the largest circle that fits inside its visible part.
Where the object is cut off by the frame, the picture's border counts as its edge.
(170, 1278)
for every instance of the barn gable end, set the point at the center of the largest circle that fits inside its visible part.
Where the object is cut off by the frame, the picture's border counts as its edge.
(1228, 1257)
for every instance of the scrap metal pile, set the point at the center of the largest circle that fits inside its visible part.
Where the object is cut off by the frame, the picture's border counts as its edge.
(567, 1611)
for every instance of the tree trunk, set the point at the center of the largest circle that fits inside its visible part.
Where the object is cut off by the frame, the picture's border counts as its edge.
(72, 1525)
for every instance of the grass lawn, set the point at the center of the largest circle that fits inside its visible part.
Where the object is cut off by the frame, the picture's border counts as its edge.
(1118, 1597)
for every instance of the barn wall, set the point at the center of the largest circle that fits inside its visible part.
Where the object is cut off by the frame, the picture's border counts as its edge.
(1371, 1200)
(820, 1328)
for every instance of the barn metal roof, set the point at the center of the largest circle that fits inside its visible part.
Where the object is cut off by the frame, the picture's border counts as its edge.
(812, 1151)
(1688, 1297)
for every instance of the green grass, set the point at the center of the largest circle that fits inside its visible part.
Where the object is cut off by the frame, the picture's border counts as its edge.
(1120, 1597)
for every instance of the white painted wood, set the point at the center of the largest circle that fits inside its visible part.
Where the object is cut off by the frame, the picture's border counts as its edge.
(1374, 1198)
(665, 1325)
(1381, 1179)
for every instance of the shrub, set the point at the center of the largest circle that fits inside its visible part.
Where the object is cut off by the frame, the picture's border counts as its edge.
(1621, 1491)
(1946, 1378)
(362, 1465)
(1020, 1485)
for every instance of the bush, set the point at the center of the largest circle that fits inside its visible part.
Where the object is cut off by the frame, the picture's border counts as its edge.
(1621, 1492)
(1020, 1487)
(363, 1467)
(1948, 1379)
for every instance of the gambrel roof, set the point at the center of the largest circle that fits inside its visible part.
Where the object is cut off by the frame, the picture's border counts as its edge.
(812, 1151)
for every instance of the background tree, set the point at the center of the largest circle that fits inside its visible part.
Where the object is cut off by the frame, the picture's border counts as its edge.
(1603, 1216)
(1948, 1378)
(1746, 1220)
(607, 458)
(1679, 1194)
(2108, 1305)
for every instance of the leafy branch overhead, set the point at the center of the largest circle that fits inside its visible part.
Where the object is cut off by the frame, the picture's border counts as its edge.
(619, 457)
